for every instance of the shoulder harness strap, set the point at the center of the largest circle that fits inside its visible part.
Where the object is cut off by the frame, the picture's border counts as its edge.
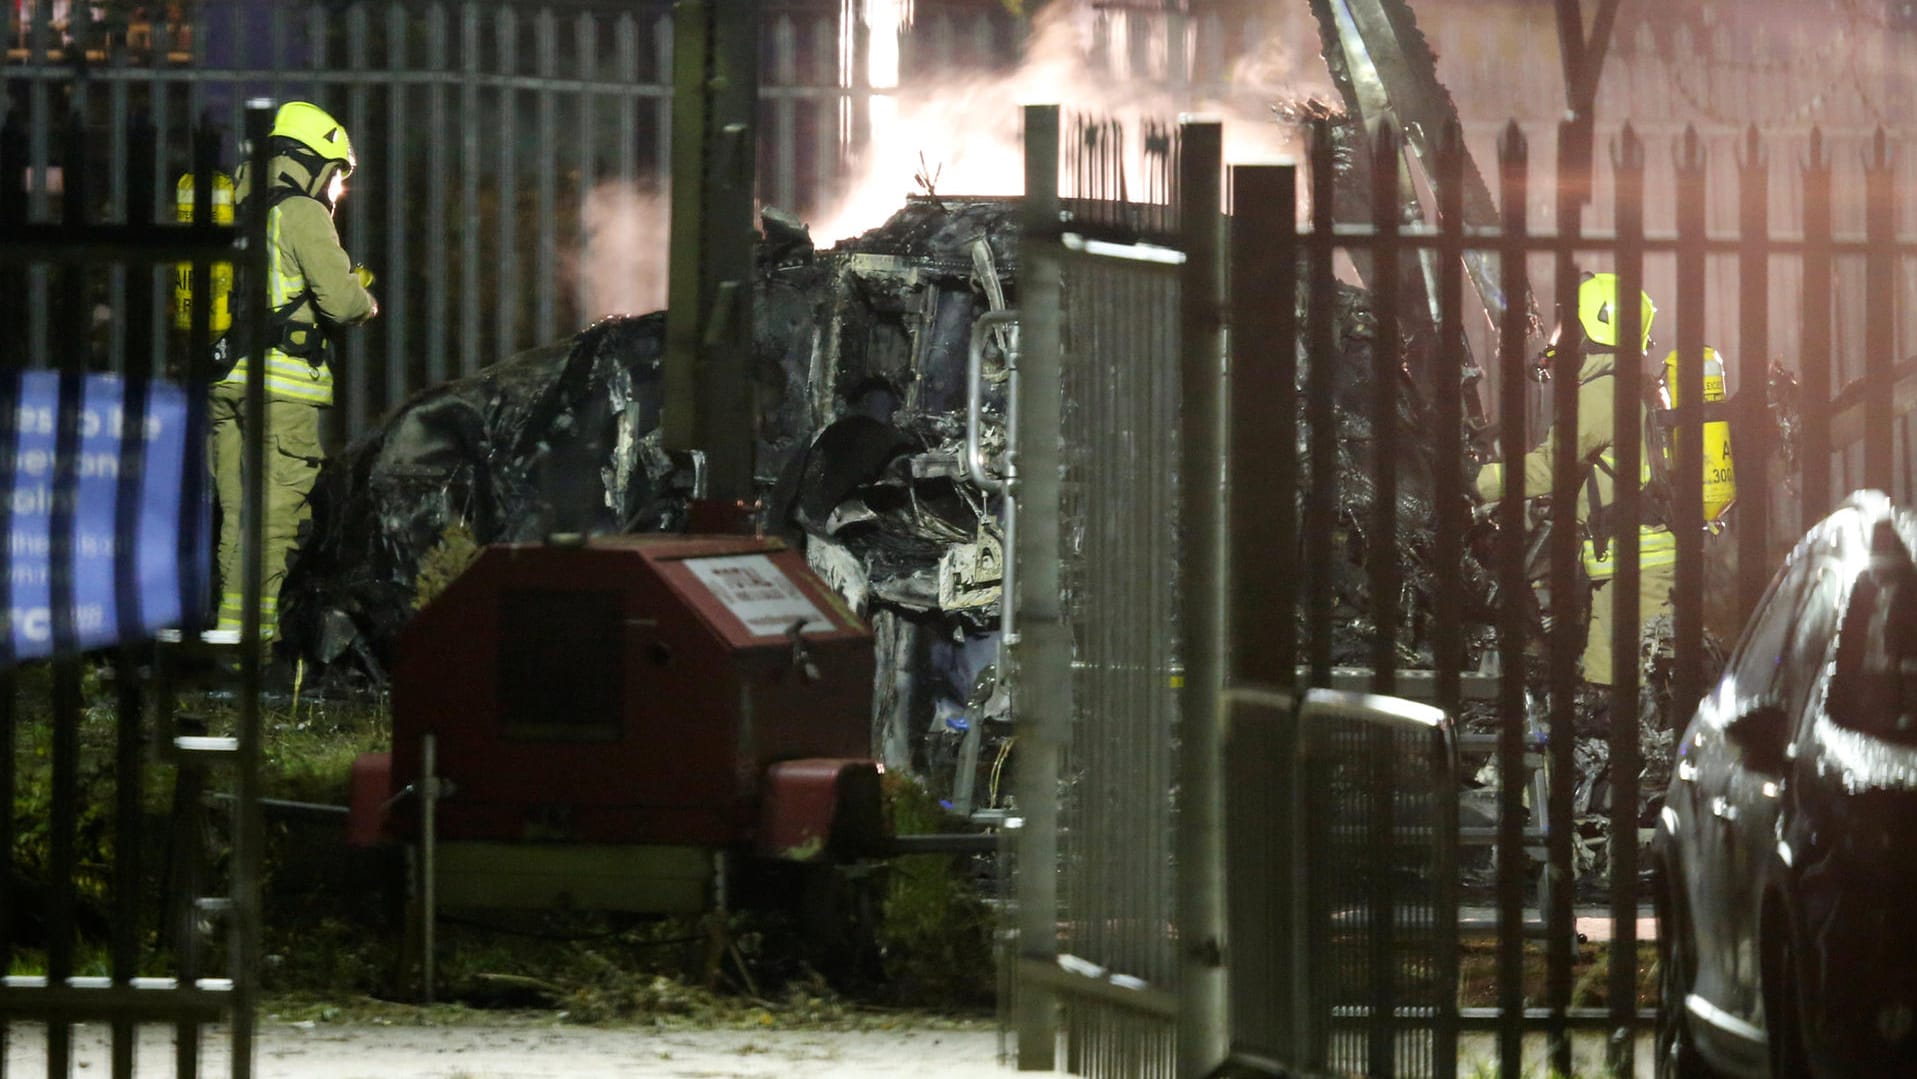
(309, 343)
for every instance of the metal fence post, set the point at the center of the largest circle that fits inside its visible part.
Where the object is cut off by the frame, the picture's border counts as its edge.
(439, 267)
(62, 530)
(1814, 351)
(1513, 154)
(194, 585)
(1321, 507)
(508, 287)
(708, 383)
(1752, 413)
(1447, 649)
(1382, 554)
(1387, 362)
(471, 335)
(1203, 1022)
(1262, 536)
(1043, 656)
(1262, 419)
(353, 347)
(1880, 329)
(13, 212)
(1687, 599)
(249, 830)
(1628, 447)
(393, 300)
(546, 257)
(1567, 473)
(428, 864)
(129, 788)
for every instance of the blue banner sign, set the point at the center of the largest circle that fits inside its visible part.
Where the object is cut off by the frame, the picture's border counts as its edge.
(33, 495)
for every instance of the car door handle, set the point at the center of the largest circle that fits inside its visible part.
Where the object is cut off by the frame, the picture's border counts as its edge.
(1722, 809)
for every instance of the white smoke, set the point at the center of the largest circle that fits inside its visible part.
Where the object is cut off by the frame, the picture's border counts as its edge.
(621, 266)
(963, 137)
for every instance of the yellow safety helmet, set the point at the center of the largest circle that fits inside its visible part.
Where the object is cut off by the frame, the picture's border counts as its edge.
(1598, 311)
(314, 128)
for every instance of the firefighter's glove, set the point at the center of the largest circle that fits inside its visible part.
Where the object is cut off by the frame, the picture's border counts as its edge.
(1541, 364)
(365, 276)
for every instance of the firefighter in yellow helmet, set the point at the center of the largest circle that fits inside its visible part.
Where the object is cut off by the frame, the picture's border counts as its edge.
(1597, 389)
(313, 288)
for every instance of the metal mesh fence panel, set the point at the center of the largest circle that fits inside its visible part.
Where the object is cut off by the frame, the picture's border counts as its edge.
(1121, 577)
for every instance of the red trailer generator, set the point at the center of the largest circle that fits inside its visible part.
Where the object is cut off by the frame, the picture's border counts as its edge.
(625, 723)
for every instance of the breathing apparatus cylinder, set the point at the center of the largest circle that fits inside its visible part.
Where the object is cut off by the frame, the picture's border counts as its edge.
(221, 278)
(1720, 478)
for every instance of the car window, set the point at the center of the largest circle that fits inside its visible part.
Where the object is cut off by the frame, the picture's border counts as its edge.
(1767, 638)
(1810, 634)
(1874, 686)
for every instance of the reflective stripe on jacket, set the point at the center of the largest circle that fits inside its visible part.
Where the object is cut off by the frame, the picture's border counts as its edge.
(1656, 546)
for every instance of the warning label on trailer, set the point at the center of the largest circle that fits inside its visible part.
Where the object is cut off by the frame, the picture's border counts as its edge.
(759, 594)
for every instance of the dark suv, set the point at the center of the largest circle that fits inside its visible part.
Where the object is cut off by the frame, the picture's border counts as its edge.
(1786, 854)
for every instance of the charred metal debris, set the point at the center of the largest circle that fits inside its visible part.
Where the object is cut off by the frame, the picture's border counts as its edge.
(561, 439)
(861, 361)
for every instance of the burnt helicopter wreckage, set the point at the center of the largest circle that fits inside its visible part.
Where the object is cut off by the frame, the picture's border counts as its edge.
(861, 357)
(860, 354)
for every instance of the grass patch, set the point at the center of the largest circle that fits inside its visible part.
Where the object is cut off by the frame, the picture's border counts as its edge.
(1590, 974)
(309, 746)
(935, 933)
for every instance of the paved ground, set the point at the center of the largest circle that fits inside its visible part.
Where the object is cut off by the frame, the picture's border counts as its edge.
(542, 1049)
(548, 1051)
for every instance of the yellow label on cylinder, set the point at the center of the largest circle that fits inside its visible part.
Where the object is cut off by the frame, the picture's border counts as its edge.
(1720, 477)
(220, 284)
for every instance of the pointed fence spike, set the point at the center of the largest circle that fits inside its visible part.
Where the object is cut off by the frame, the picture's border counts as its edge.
(1753, 157)
(1628, 153)
(1321, 145)
(1512, 145)
(1384, 143)
(1690, 155)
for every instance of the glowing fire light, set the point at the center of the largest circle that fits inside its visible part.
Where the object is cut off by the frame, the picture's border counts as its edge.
(962, 130)
(962, 133)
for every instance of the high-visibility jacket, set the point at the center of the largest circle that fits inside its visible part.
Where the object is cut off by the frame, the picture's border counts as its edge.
(1597, 432)
(309, 278)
